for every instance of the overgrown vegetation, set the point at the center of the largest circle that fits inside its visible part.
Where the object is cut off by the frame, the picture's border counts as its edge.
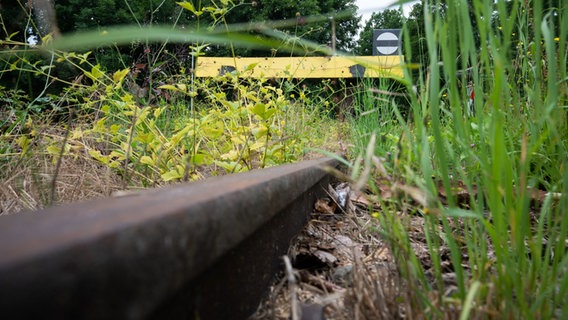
(145, 125)
(491, 184)
(487, 176)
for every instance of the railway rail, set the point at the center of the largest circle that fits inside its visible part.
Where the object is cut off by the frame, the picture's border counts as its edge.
(206, 250)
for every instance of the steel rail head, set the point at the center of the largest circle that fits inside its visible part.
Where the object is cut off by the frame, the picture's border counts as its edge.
(125, 257)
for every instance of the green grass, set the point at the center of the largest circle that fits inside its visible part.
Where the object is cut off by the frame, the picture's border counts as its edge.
(517, 141)
(374, 112)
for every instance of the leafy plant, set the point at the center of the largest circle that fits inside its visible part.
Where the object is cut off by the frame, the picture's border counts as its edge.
(149, 122)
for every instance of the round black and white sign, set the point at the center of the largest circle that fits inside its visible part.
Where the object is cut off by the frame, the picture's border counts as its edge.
(386, 42)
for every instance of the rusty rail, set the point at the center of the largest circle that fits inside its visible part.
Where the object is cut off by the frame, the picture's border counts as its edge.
(205, 250)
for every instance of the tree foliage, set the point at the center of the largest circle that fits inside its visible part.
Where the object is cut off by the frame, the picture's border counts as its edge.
(295, 21)
(415, 29)
(73, 15)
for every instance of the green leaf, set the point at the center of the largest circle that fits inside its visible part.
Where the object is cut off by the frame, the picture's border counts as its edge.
(469, 301)
(95, 73)
(181, 87)
(117, 155)
(12, 35)
(189, 6)
(114, 164)
(124, 35)
(118, 76)
(259, 109)
(171, 175)
(258, 145)
(53, 150)
(231, 155)
(176, 138)
(168, 87)
(147, 160)
(259, 131)
(115, 128)
(230, 104)
(198, 159)
(461, 213)
(251, 66)
(23, 142)
(96, 154)
(268, 114)
(230, 166)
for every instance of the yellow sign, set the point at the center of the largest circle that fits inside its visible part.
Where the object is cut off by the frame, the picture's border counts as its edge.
(303, 67)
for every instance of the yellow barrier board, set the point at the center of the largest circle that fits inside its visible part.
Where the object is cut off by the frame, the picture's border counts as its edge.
(303, 67)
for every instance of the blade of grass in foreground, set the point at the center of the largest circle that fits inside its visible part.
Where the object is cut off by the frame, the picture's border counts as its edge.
(123, 35)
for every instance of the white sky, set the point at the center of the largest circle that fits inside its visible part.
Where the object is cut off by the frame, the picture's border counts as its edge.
(367, 7)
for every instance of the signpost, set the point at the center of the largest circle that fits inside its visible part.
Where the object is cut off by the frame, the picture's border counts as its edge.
(386, 42)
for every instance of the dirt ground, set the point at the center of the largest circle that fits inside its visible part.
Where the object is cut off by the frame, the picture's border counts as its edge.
(340, 268)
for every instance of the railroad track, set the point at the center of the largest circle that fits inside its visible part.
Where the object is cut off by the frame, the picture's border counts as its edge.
(206, 250)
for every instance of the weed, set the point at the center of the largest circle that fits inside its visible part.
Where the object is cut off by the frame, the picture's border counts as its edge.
(144, 125)
(508, 255)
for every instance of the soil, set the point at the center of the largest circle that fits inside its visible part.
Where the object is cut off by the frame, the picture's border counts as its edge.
(342, 268)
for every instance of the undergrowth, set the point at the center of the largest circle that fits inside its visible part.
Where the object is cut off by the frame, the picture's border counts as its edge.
(141, 127)
(488, 177)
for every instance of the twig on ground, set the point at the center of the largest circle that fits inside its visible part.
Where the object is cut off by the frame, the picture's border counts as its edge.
(292, 287)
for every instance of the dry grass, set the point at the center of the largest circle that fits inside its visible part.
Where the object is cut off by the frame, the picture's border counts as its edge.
(28, 184)
(343, 270)
(345, 267)
(34, 180)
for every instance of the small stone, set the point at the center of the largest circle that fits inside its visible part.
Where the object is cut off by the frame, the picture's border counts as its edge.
(342, 274)
(312, 312)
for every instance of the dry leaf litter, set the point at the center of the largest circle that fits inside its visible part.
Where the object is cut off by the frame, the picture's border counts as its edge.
(340, 268)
